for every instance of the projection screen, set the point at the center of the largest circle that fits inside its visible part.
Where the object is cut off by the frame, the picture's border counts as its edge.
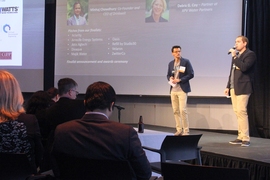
(22, 41)
(116, 44)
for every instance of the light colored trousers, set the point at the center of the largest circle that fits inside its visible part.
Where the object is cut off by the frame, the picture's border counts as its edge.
(239, 103)
(179, 105)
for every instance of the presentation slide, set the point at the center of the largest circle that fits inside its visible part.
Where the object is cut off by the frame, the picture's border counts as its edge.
(22, 41)
(122, 42)
(11, 40)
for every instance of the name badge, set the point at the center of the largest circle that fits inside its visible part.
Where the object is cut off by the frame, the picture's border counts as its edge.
(182, 69)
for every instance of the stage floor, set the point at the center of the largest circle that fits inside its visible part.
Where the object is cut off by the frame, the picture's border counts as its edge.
(256, 157)
(218, 143)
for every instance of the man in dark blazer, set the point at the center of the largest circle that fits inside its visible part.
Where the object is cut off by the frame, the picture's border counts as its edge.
(94, 136)
(67, 107)
(239, 86)
(179, 73)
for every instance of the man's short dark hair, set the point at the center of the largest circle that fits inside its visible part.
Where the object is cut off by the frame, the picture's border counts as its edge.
(66, 84)
(244, 39)
(99, 95)
(175, 47)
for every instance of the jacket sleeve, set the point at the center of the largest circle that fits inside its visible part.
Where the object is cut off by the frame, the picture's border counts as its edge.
(189, 73)
(246, 62)
(169, 72)
(138, 159)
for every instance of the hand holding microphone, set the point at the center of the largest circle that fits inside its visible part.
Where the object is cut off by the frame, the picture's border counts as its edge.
(232, 50)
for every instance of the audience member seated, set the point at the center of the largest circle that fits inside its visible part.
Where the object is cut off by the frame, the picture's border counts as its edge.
(54, 94)
(94, 136)
(67, 107)
(19, 132)
(37, 105)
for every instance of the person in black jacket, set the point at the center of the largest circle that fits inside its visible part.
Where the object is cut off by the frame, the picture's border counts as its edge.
(67, 107)
(239, 86)
(37, 105)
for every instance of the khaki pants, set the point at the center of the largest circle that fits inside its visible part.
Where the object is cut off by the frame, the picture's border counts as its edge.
(179, 105)
(239, 103)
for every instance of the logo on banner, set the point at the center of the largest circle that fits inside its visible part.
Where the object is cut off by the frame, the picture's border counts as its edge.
(9, 10)
(5, 55)
(6, 28)
(10, 33)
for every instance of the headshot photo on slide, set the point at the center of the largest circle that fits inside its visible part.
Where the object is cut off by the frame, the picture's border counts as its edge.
(77, 12)
(157, 11)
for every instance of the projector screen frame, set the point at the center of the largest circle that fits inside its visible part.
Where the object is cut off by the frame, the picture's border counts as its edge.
(49, 55)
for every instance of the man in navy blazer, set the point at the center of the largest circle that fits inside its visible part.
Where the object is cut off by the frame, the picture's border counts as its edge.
(239, 86)
(179, 73)
(94, 136)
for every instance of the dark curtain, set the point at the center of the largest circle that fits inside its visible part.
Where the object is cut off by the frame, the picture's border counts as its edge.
(257, 171)
(258, 33)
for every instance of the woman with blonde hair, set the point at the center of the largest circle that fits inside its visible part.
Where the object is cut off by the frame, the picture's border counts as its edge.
(19, 132)
(158, 8)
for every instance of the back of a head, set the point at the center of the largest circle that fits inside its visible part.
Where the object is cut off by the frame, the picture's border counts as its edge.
(52, 92)
(99, 95)
(11, 99)
(65, 84)
(40, 100)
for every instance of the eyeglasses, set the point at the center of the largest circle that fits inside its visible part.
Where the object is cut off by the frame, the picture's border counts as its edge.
(75, 91)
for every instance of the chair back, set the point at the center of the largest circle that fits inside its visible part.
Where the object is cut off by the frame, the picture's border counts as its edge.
(100, 169)
(14, 166)
(173, 171)
(181, 147)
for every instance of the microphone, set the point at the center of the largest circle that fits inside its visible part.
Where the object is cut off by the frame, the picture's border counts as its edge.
(118, 107)
(232, 48)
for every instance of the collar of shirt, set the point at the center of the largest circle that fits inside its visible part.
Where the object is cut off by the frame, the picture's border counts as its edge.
(97, 113)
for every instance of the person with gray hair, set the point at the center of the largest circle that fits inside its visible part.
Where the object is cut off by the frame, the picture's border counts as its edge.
(67, 107)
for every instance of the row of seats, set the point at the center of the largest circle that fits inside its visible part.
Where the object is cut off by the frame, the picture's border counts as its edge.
(15, 166)
(174, 153)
